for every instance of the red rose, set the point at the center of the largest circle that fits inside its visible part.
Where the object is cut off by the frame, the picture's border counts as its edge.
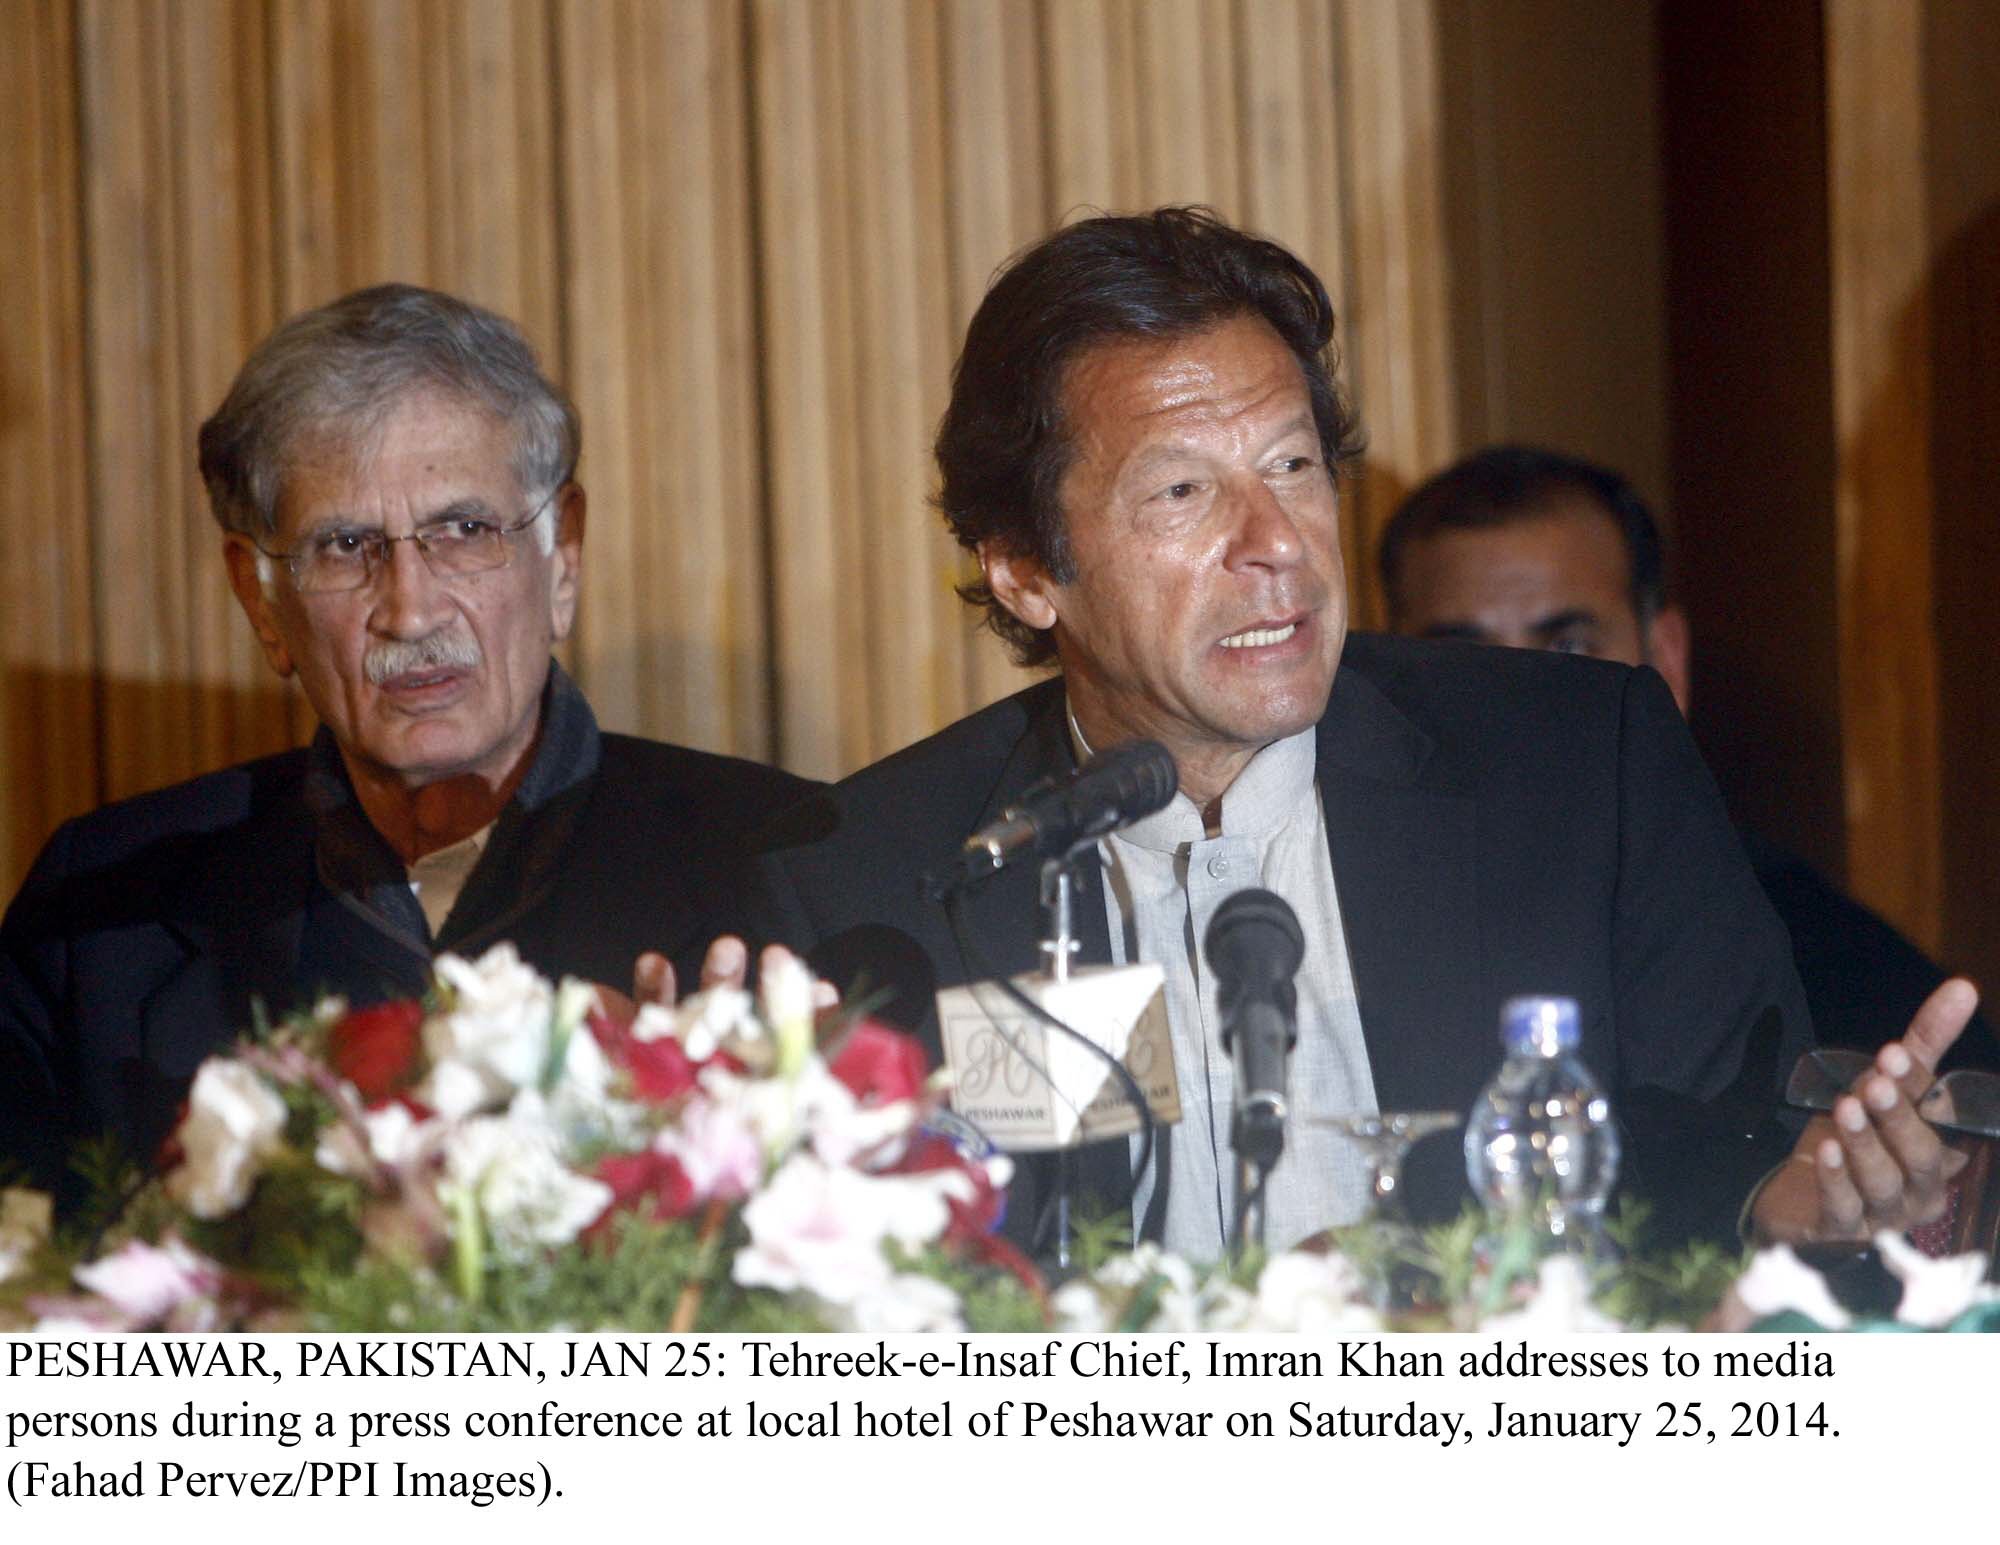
(973, 1233)
(652, 1185)
(880, 1065)
(376, 1049)
(660, 1069)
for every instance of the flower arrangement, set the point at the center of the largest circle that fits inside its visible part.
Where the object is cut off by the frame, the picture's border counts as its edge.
(509, 1154)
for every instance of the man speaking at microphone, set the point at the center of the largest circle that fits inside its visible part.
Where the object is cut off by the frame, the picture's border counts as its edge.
(1141, 448)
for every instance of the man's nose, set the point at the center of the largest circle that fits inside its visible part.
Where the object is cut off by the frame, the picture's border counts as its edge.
(1266, 532)
(410, 601)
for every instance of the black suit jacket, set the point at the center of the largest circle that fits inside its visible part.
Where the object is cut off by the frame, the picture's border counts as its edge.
(1501, 822)
(147, 929)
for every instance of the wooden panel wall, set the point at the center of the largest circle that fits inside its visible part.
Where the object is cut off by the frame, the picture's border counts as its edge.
(745, 234)
(1880, 251)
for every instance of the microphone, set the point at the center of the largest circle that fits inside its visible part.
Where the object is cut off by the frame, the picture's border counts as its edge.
(1056, 817)
(1254, 948)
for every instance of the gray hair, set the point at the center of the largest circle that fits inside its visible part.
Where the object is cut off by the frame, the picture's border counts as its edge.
(340, 368)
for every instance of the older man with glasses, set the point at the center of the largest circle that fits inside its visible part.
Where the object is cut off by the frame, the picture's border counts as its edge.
(394, 478)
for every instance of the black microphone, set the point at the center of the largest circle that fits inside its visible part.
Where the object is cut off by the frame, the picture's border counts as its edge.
(1254, 948)
(1056, 817)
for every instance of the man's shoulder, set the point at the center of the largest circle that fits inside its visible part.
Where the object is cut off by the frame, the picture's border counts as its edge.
(183, 814)
(1474, 702)
(704, 785)
(939, 783)
(1457, 681)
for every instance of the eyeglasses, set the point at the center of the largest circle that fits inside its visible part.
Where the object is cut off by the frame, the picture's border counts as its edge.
(347, 558)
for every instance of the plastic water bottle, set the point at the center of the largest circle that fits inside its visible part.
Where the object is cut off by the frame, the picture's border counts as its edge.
(1540, 1148)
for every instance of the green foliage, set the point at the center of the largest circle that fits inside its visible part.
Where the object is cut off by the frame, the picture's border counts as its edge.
(108, 1181)
(299, 1220)
(1095, 1238)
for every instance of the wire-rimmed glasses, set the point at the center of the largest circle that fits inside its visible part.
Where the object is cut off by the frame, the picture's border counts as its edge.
(452, 546)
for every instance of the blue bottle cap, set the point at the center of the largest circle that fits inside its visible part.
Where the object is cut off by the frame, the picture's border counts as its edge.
(1547, 1026)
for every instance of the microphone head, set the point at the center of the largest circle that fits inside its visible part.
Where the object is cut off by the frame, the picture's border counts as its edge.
(1122, 784)
(1254, 941)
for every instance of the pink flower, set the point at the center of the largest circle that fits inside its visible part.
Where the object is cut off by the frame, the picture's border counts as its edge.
(147, 1283)
(718, 1149)
(820, 1229)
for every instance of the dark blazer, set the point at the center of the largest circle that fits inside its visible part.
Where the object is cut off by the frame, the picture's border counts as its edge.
(1501, 822)
(147, 929)
(1864, 981)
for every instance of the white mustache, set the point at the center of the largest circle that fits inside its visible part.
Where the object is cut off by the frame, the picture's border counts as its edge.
(440, 651)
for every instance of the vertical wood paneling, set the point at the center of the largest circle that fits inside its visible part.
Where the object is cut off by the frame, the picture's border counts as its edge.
(820, 550)
(1398, 322)
(138, 418)
(1089, 55)
(1189, 118)
(224, 266)
(603, 347)
(996, 196)
(710, 521)
(900, 288)
(660, 356)
(1879, 242)
(48, 721)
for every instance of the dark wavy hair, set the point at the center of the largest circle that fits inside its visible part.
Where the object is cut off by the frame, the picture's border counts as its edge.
(1004, 447)
(1506, 483)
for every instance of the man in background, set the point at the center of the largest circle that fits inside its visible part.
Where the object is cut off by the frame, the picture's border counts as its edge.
(1524, 547)
(394, 479)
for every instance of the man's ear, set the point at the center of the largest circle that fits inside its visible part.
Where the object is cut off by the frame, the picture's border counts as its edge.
(1667, 652)
(1020, 583)
(241, 557)
(567, 558)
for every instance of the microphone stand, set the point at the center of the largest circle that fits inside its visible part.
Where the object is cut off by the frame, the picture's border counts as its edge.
(1059, 944)
(1257, 1126)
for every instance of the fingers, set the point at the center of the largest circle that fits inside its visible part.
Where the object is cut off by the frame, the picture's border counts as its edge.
(653, 979)
(1842, 1213)
(1939, 1022)
(1884, 1167)
(727, 963)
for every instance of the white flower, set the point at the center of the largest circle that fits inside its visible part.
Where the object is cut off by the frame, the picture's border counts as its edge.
(394, 1137)
(1777, 1281)
(1561, 1304)
(1079, 1306)
(511, 1168)
(234, 1122)
(785, 988)
(1184, 1300)
(580, 1100)
(821, 1229)
(703, 1022)
(494, 1039)
(26, 1219)
(1320, 1294)
(717, 1147)
(813, 1106)
(1935, 1292)
(147, 1283)
(906, 1303)
(1144, 1263)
